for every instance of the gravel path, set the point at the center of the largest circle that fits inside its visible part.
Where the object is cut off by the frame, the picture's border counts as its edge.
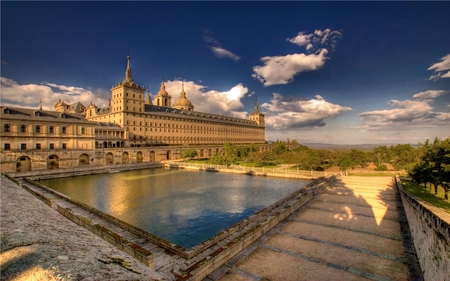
(37, 243)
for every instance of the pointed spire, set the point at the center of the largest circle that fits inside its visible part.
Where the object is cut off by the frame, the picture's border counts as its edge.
(256, 111)
(128, 73)
(182, 93)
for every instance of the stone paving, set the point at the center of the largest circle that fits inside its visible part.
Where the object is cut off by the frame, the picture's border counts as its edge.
(37, 243)
(351, 232)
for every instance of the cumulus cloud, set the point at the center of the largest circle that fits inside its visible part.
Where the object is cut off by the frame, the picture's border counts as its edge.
(441, 69)
(316, 40)
(284, 113)
(407, 114)
(218, 102)
(222, 53)
(282, 69)
(30, 95)
(430, 94)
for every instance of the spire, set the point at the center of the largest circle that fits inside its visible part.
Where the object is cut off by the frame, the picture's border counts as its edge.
(40, 105)
(128, 74)
(148, 98)
(256, 111)
(183, 93)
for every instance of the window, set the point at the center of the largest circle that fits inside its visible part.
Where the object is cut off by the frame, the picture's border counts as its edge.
(23, 146)
(51, 129)
(64, 130)
(52, 146)
(83, 130)
(23, 128)
(64, 146)
(38, 146)
(7, 146)
(7, 128)
(38, 128)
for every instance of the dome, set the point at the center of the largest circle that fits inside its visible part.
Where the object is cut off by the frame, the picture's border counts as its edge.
(182, 102)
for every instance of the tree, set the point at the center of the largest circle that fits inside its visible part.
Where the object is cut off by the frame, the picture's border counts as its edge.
(345, 161)
(189, 153)
(434, 165)
(280, 148)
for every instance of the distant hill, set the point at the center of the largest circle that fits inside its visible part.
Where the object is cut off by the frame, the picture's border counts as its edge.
(367, 146)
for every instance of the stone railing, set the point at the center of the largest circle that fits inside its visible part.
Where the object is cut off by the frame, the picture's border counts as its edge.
(430, 228)
(264, 171)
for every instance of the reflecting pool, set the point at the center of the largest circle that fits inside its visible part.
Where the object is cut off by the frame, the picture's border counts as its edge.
(184, 207)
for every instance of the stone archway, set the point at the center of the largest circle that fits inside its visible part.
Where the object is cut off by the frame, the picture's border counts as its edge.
(109, 158)
(23, 164)
(152, 156)
(139, 157)
(202, 153)
(52, 162)
(83, 159)
(169, 155)
(210, 152)
(125, 158)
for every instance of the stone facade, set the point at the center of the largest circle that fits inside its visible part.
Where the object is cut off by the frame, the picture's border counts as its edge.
(161, 123)
(75, 135)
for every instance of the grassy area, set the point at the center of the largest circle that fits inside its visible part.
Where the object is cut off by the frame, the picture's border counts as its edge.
(427, 194)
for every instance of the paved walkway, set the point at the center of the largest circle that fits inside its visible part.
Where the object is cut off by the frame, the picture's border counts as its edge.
(37, 243)
(352, 232)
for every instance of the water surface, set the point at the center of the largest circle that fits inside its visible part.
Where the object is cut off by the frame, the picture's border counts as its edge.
(184, 207)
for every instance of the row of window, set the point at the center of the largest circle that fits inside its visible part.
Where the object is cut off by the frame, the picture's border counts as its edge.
(39, 129)
(23, 146)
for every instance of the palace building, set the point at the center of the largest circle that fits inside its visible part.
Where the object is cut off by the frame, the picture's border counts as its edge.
(132, 128)
(162, 123)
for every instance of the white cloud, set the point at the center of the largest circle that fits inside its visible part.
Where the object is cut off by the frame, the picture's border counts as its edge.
(211, 101)
(405, 115)
(316, 40)
(441, 69)
(29, 95)
(284, 113)
(282, 69)
(222, 53)
(430, 94)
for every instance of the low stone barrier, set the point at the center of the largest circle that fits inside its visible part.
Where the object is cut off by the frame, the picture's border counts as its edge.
(141, 254)
(430, 228)
(83, 170)
(113, 238)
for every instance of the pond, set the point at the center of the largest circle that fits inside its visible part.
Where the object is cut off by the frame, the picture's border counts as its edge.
(184, 207)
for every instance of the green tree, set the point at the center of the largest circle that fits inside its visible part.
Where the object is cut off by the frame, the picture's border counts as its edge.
(345, 161)
(280, 148)
(189, 153)
(434, 165)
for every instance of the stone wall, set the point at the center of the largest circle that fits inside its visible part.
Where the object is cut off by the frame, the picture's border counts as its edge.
(430, 228)
(106, 234)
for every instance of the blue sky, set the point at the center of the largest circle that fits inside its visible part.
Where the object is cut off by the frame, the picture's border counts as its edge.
(330, 72)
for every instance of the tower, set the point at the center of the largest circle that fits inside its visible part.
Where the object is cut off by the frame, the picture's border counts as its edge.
(127, 96)
(163, 98)
(257, 115)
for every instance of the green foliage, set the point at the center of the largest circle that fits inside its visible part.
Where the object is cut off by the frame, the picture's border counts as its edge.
(381, 168)
(434, 165)
(189, 153)
(425, 194)
(280, 148)
(345, 161)
(403, 155)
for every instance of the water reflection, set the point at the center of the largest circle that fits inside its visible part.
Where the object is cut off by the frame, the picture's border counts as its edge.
(181, 206)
